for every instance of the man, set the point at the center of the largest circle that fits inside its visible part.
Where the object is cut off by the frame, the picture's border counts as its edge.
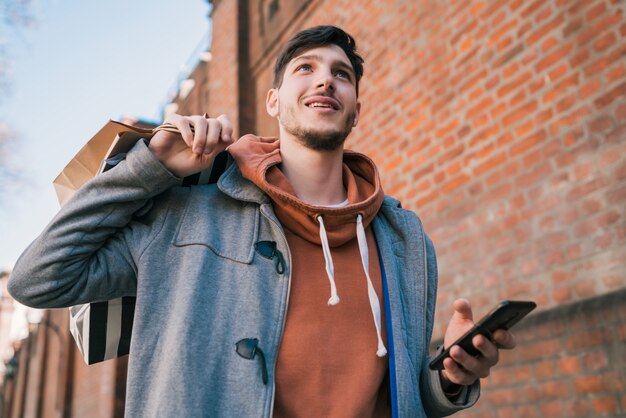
(293, 287)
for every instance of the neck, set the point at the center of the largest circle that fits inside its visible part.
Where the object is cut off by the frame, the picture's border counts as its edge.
(316, 176)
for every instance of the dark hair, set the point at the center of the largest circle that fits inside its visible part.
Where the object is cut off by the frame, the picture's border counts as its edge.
(313, 38)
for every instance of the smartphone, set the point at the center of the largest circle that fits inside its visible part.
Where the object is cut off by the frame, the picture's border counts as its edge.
(503, 316)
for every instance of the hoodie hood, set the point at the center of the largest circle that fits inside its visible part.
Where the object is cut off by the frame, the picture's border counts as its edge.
(259, 160)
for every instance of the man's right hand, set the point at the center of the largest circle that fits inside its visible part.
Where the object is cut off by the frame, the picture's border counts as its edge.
(191, 152)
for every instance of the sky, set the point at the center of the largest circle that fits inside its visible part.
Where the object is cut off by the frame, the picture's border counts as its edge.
(81, 64)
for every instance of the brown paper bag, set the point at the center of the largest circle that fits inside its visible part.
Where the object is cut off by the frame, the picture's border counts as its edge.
(115, 138)
(110, 140)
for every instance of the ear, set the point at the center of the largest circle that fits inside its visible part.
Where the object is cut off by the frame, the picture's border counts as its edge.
(356, 114)
(271, 103)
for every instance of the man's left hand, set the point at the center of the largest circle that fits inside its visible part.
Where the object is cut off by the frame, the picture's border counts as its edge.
(462, 368)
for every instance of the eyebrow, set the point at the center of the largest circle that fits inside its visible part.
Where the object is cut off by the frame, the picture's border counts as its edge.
(317, 58)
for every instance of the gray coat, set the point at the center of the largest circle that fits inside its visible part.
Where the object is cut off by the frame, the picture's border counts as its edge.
(188, 254)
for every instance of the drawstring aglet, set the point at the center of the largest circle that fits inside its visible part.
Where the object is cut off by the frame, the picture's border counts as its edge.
(333, 300)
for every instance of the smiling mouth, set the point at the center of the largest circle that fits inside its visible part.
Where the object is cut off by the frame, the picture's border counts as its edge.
(321, 102)
(321, 105)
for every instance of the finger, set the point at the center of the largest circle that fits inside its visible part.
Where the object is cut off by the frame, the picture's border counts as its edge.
(227, 128)
(213, 135)
(457, 374)
(183, 126)
(476, 366)
(488, 350)
(462, 309)
(200, 127)
(504, 339)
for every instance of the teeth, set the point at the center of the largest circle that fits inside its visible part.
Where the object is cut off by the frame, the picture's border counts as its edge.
(319, 105)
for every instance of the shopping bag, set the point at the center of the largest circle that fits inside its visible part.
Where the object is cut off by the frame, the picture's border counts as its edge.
(102, 330)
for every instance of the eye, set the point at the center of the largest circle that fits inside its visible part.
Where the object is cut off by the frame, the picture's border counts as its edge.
(304, 67)
(342, 74)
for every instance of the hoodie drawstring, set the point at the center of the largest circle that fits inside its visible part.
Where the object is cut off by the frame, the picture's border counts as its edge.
(330, 270)
(371, 292)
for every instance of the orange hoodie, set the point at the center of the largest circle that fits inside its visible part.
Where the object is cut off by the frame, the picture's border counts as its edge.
(332, 361)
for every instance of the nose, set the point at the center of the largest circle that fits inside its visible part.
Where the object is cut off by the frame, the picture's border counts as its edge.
(325, 81)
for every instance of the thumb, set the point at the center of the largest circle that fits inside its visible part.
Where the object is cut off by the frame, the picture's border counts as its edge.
(462, 310)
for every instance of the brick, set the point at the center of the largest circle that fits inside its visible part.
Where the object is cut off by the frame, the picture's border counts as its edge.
(616, 73)
(609, 97)
(604, 405)
(590, 88)
(580, 57)
(577, 408)
(566, 103)
(553, 57)
(616, 195)
(590, 384)
(549, 43)
(545, 370)
(569, 365)
(455, 183)
(548, 390)
(531, 8)
(491, 164)
(514, 84)
(572, 27)
(545, 29)
(620, 172)
(552, 409)
(528, 143)
(503, 396)
(508, 55)
(591, 206)
(601, 124)
(562, 295)
(559, 89)
(600, 26)
(586, 339)
(599, 65)
(528, 411)
(596, 11)
(501, 31)
(444, 131)
(520, 113)
(517, 99)
(539, 349)
(604, 42)
(533, 158)
(482, 106)
(595, 360)
(558, 72)
(525, 128)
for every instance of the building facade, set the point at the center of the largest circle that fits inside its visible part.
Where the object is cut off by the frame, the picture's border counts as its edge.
(502, 124)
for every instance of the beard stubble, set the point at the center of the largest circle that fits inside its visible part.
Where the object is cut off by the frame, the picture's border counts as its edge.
(315, 139)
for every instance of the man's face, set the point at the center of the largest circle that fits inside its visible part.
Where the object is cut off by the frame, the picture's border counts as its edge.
(316, 103)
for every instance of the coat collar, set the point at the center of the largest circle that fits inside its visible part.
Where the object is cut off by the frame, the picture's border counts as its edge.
(233, 184)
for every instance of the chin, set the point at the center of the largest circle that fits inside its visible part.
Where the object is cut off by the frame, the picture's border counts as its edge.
(322, 140)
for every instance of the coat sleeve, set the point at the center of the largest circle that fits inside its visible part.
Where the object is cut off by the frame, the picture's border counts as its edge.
(436, 403)
(87, 253)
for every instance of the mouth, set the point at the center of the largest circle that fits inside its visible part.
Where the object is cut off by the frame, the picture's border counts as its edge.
(321, 102)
